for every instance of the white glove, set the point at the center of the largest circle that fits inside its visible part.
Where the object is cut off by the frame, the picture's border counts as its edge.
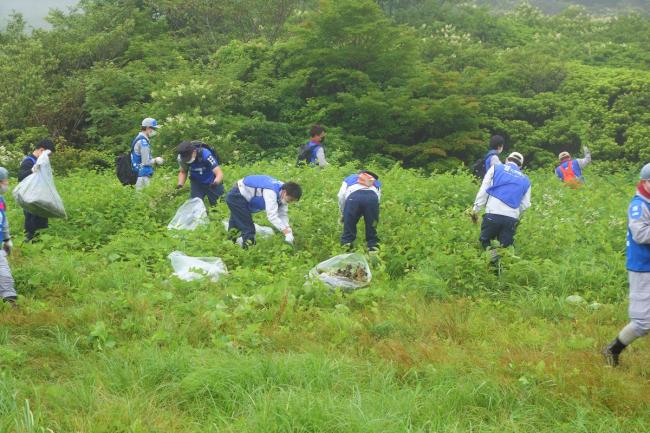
(158, 160)
(8, 246)
(288, 238)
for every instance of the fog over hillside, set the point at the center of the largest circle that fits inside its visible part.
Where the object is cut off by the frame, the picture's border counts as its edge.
(34, 11)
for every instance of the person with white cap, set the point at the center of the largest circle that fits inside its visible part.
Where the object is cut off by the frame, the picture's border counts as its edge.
(505, 194)
(7, 290)
(638, 270)
(570, 170)
(141, 160)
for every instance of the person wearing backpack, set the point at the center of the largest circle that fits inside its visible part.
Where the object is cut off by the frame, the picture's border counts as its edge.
(33, 222)
(256, 193)
(570, 170)
(7, 290)
(505, 194)
(359, 197)
(638, 271)
(141, 160)
(202, 164)
(312, 153)
(491, 158)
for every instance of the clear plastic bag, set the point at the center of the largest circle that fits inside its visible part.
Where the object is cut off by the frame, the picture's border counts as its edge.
(37, 193)
(345, 271)
(261, 231)
(193, 268)
(190, 215)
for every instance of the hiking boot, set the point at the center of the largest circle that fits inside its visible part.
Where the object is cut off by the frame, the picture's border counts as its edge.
(611, 358)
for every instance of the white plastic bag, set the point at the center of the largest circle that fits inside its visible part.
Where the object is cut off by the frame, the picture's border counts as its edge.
(190, 215)
(192, 268)
(37, 193)
(261, 231)
(346, 271)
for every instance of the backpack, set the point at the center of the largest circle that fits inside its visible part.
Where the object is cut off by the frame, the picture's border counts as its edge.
(478, 168)
(124, 170)
(304, 154)
(200, 144)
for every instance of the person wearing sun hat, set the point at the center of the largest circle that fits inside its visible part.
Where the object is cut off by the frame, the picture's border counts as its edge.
(505, 194)
(7, 290)
(638, 270)
(141, 160)
(570, 170)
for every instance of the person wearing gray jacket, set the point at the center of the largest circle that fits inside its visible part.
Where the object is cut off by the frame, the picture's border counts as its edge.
(7, 290)
(638, 267)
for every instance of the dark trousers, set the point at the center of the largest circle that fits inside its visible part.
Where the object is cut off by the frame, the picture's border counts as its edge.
(241, 218)
(363, 203)
(200, 190)
(33, 223)
(499, 227)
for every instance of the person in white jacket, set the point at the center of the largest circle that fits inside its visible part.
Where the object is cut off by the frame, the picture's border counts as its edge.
(257, 193)
(359, 197)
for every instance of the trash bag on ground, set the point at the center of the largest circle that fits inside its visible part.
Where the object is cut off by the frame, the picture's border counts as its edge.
(37, 193)
(345, 271)
(190, 215)
(193, 268)
(260, 231)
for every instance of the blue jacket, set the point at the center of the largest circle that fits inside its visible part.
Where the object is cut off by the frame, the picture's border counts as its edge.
(4, 224)
(638, 255)
(261, 182)
(136, 158)
(488, 157)
(509, 184)
(201, 170)
(313, 146)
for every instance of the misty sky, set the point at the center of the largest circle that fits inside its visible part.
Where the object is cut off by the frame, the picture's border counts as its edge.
(33, 10)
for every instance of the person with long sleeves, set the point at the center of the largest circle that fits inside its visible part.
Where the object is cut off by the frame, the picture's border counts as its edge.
(34, 223)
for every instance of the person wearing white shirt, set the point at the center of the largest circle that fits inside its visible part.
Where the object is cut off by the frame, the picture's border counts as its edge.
(505, 194)
(256, 193)
(359, 197)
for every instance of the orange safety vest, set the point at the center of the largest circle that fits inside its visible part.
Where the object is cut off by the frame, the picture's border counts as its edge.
(569, 176)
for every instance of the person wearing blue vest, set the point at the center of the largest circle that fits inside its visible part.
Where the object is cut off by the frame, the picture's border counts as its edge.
(505, 194)
(570, 170)
(359, 196)
(7, 290)
(141, 160)
(34, 223)
(257, 193)
(206, 176)
(638, 270)
(492, 156)
(316, 153)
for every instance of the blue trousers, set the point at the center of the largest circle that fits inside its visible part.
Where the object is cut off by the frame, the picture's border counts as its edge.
(200, 190)
(499, 227)
(359, 204)
(241, 218)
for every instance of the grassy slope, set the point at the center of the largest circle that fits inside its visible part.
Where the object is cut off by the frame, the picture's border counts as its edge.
(106, 341)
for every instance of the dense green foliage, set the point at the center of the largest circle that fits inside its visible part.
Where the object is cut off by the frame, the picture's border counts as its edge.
(108, 341)
(422, 81)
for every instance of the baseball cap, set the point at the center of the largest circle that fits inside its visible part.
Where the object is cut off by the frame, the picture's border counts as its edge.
(517, 157)
(564, 155)
(150, 122)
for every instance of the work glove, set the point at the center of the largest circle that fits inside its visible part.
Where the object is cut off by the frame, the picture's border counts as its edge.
(8, 246)
(288, 238)
(158, 160)
(341, 219)
(474, 216)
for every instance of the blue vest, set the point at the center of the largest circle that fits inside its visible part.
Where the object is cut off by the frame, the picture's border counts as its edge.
(638, 255)
(314, 150)
(576, 169)
(201, 169)
(136, 159)
(3, 214)
(353, 179)
(488, 157)
(260, 183)
(509, 184)
(31, 158)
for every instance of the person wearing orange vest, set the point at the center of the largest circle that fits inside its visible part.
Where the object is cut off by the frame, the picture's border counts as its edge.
(570, 170)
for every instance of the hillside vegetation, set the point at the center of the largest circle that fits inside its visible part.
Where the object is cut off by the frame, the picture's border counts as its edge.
(106, 340)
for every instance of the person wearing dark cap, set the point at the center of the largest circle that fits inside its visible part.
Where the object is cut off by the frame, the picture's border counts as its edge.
(505, 194)
(202, 164)
(570, 170)
(638, 271)
(33, 223)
